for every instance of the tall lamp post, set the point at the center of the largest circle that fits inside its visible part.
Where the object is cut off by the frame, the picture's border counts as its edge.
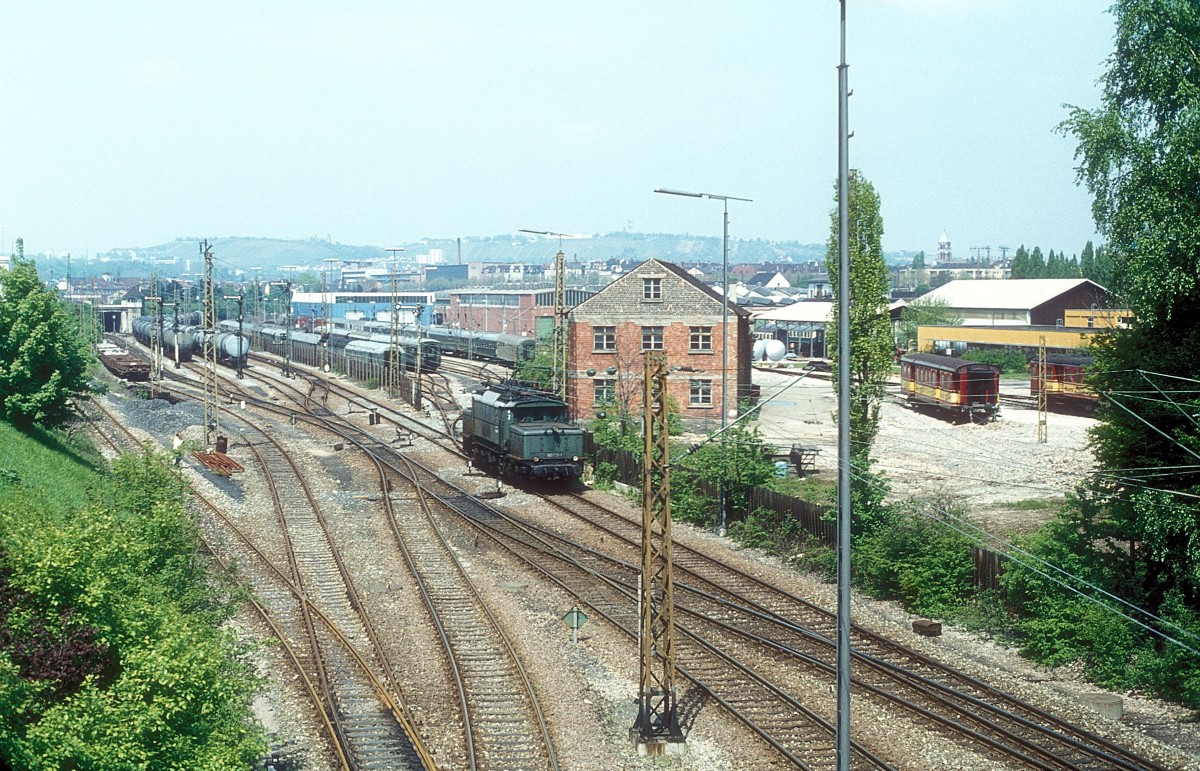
(724, 199)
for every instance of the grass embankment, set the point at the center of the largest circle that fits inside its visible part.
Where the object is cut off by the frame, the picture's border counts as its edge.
(114, 652)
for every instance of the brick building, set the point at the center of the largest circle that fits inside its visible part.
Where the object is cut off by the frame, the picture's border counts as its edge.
(657, 306)
(528, 312)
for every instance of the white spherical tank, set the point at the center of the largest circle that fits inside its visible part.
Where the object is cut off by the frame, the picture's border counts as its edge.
(759, 347)
(774, 349)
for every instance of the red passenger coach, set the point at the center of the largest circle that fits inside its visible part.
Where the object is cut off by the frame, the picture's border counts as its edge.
(1062, 381)
(960, 387)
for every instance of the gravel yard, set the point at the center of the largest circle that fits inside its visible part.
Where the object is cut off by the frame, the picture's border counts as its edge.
(995, 469)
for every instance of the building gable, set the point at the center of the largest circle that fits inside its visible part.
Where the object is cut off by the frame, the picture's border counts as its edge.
(679, 296)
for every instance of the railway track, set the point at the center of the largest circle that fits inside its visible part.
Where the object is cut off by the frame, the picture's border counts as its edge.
(804, 635)
(975, 713)
(290, 616)
(503, 725)
(376, 736)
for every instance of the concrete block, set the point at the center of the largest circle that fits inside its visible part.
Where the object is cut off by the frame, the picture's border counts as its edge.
(1109, 705)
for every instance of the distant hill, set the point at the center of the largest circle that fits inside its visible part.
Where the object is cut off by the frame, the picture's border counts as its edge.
(237, 254)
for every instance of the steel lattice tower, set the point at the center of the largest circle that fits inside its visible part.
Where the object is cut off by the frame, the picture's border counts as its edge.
(561, 353)
(658, 717)
(394, 349)
(1042, 405)
(212, 418)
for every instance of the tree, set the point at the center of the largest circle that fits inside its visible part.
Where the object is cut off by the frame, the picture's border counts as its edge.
(924, 311)
(871, 345)
(1037, 264)
(1020, 263)
(1136, 155)
(918, 260)
(43, 364)
(539, 370)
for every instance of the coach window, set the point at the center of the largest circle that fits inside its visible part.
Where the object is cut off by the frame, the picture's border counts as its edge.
(652, 338)
(651, 288)
(604, 338)
(700, 393)
(700, 340)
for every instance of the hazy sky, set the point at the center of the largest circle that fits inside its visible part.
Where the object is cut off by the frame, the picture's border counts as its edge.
(129, 123)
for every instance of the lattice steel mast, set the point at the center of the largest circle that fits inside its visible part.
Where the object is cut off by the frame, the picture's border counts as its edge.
(561, 353)
(658, 717)
(208, 333)
(1042, 400)
(156, 341)
(394, 349)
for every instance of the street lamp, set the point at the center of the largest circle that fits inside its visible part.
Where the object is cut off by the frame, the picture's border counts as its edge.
(724, 199)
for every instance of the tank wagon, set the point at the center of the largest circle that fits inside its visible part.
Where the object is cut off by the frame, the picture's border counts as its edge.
(146, 331)
(1062, 381)
(958, 387)
(522, 433)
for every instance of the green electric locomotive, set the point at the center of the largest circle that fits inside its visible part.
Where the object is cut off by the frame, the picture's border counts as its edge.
(523, 433)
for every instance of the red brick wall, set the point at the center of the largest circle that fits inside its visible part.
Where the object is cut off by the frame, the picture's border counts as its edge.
(629, 362)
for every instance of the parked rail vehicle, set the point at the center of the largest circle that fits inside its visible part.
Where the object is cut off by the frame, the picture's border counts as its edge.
(962, 388)
(311, 348)
(522, 433)
(122, 363)
(431, 352)
(146, 331)
(1063, 381)
(510, 350)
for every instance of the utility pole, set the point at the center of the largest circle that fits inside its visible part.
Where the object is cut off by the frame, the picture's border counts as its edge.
(175, 307)
(843, 339)
(208, 333)
(657, 728)
(325, 320)
(255, 300)
(560, 351)
(561, 343)
(156, 349)
(287, 327)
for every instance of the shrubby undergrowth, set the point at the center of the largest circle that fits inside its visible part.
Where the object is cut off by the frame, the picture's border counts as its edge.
(113, 648)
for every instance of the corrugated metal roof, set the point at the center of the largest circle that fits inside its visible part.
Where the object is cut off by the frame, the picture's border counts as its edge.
(1008, 293)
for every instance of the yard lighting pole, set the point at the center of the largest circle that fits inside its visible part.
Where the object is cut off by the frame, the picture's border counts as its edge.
(724, 199)
(843, 366)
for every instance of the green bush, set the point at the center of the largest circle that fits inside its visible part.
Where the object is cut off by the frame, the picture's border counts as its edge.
(914, 558)
(690, 505)
(150, 672)
(765, 529)
(1009, 362)
(606, 472)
